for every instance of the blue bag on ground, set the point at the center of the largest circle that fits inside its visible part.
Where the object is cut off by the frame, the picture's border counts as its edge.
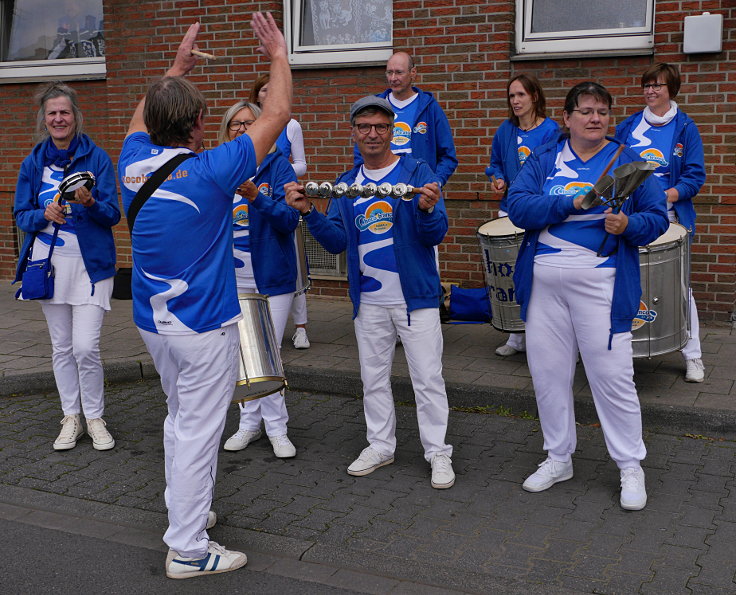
(469, 304)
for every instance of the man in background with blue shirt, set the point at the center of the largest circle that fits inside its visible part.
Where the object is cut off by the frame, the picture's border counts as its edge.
(421, 128)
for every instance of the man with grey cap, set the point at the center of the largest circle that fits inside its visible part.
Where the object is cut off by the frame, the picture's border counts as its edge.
(393, 284)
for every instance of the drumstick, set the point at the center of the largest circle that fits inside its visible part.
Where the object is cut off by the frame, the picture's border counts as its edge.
(592, 192)
(204, 55)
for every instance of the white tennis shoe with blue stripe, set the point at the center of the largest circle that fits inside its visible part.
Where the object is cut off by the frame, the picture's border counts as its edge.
(217, 560)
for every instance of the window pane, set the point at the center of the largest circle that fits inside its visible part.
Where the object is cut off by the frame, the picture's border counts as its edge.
(55, 29)
(549, 16)
(345, 22)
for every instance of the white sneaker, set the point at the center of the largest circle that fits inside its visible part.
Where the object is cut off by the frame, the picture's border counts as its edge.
(211, 519)
(694, 370)
(443, 476)
(282, 446)
(217, 560)
(242, 438)
(368, 461)
(101, 438)
(549, 473)
(633, 490)
(506, 350)
(300, 338)
(71, 430)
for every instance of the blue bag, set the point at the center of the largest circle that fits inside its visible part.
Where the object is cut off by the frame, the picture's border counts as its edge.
(37, 280)
(469, 304)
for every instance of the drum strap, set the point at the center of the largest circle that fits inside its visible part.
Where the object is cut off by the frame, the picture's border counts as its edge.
(152, 183)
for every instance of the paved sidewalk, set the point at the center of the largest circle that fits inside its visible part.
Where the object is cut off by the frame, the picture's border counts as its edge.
(475, 376)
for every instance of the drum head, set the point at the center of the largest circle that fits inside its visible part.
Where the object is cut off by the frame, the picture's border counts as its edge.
(76, 180)
(499, 227)
(674, 233)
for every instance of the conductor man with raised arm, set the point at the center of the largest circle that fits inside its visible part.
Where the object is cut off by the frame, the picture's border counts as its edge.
(185, 303)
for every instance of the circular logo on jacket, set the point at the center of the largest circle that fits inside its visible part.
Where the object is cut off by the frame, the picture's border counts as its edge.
(402, 134)
(643, 316)
(240, 215)
(524, 153)
(378, 218)
(678, 150)
(421, 128)
(653, 155)
(265, 189)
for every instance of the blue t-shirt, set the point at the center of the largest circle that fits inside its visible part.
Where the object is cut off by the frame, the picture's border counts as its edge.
(574, 242)
(653, 143)
(406, 113)
(374, 220)
(183, 275)
(528, 140)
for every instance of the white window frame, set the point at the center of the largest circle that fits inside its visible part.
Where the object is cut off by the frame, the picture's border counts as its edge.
(313, 55)
(598, 41)
(65, 69)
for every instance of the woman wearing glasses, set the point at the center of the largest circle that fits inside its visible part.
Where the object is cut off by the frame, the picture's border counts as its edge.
(291, 144)
(527, 127)
(665, 135)
(265, 262)
(577, 276)
(83, 256)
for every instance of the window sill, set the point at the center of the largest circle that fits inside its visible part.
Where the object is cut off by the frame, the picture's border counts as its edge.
(581, 54)
(22, 72)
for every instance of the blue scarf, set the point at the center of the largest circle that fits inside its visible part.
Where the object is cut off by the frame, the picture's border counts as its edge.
(59, 157)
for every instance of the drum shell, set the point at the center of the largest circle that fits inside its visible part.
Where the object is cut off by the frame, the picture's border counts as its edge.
(499, 248)
(662, 323)
(260, 369)
(303, 282)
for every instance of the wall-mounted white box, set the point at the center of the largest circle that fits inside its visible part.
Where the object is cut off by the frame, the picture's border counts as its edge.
(703, 33)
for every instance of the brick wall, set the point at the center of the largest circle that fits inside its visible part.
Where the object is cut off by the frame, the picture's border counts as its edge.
(463, 50)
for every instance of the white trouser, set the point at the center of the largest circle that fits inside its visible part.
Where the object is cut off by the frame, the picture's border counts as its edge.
(75, 343)
(421, 336)
(570, 310)
(198, 375)
(299, 309)
(692, 347)
(272, 408)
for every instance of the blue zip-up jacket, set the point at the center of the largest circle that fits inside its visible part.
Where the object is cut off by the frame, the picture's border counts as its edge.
(687, 163)
(416, 233)
(504, 163)
(272, 223)
(93, 224)
(533, 211)
(432, 142)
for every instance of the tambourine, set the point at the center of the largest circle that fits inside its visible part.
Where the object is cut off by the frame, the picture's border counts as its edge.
(76, 180)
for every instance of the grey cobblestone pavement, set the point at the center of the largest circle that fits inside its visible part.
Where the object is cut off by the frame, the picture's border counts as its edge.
(484, 535)
(307, 520)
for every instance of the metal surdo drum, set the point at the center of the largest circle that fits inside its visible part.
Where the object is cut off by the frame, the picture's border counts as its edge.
(261, 370)
(500, 241)
(303, 282)
(661, 325)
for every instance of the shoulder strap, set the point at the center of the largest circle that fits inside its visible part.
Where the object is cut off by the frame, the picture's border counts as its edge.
(152, 183)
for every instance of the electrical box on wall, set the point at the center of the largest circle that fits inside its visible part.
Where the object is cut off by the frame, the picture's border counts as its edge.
(703, 34)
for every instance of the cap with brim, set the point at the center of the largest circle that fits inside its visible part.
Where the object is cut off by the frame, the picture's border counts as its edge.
(371, 101)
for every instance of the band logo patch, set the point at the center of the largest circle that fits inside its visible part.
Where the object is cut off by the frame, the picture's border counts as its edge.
(643, 316)
(678, 150)
(421, 128)
(265, 189)
(378, 218)
(402, 134)
(524, 153)
(240, 215)
(570, 189)
(654, 156)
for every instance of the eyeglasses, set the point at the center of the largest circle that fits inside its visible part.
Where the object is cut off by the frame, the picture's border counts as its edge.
(586, 112)
(366, 128)
(236, 124)
(395, 72)
(654, 86)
